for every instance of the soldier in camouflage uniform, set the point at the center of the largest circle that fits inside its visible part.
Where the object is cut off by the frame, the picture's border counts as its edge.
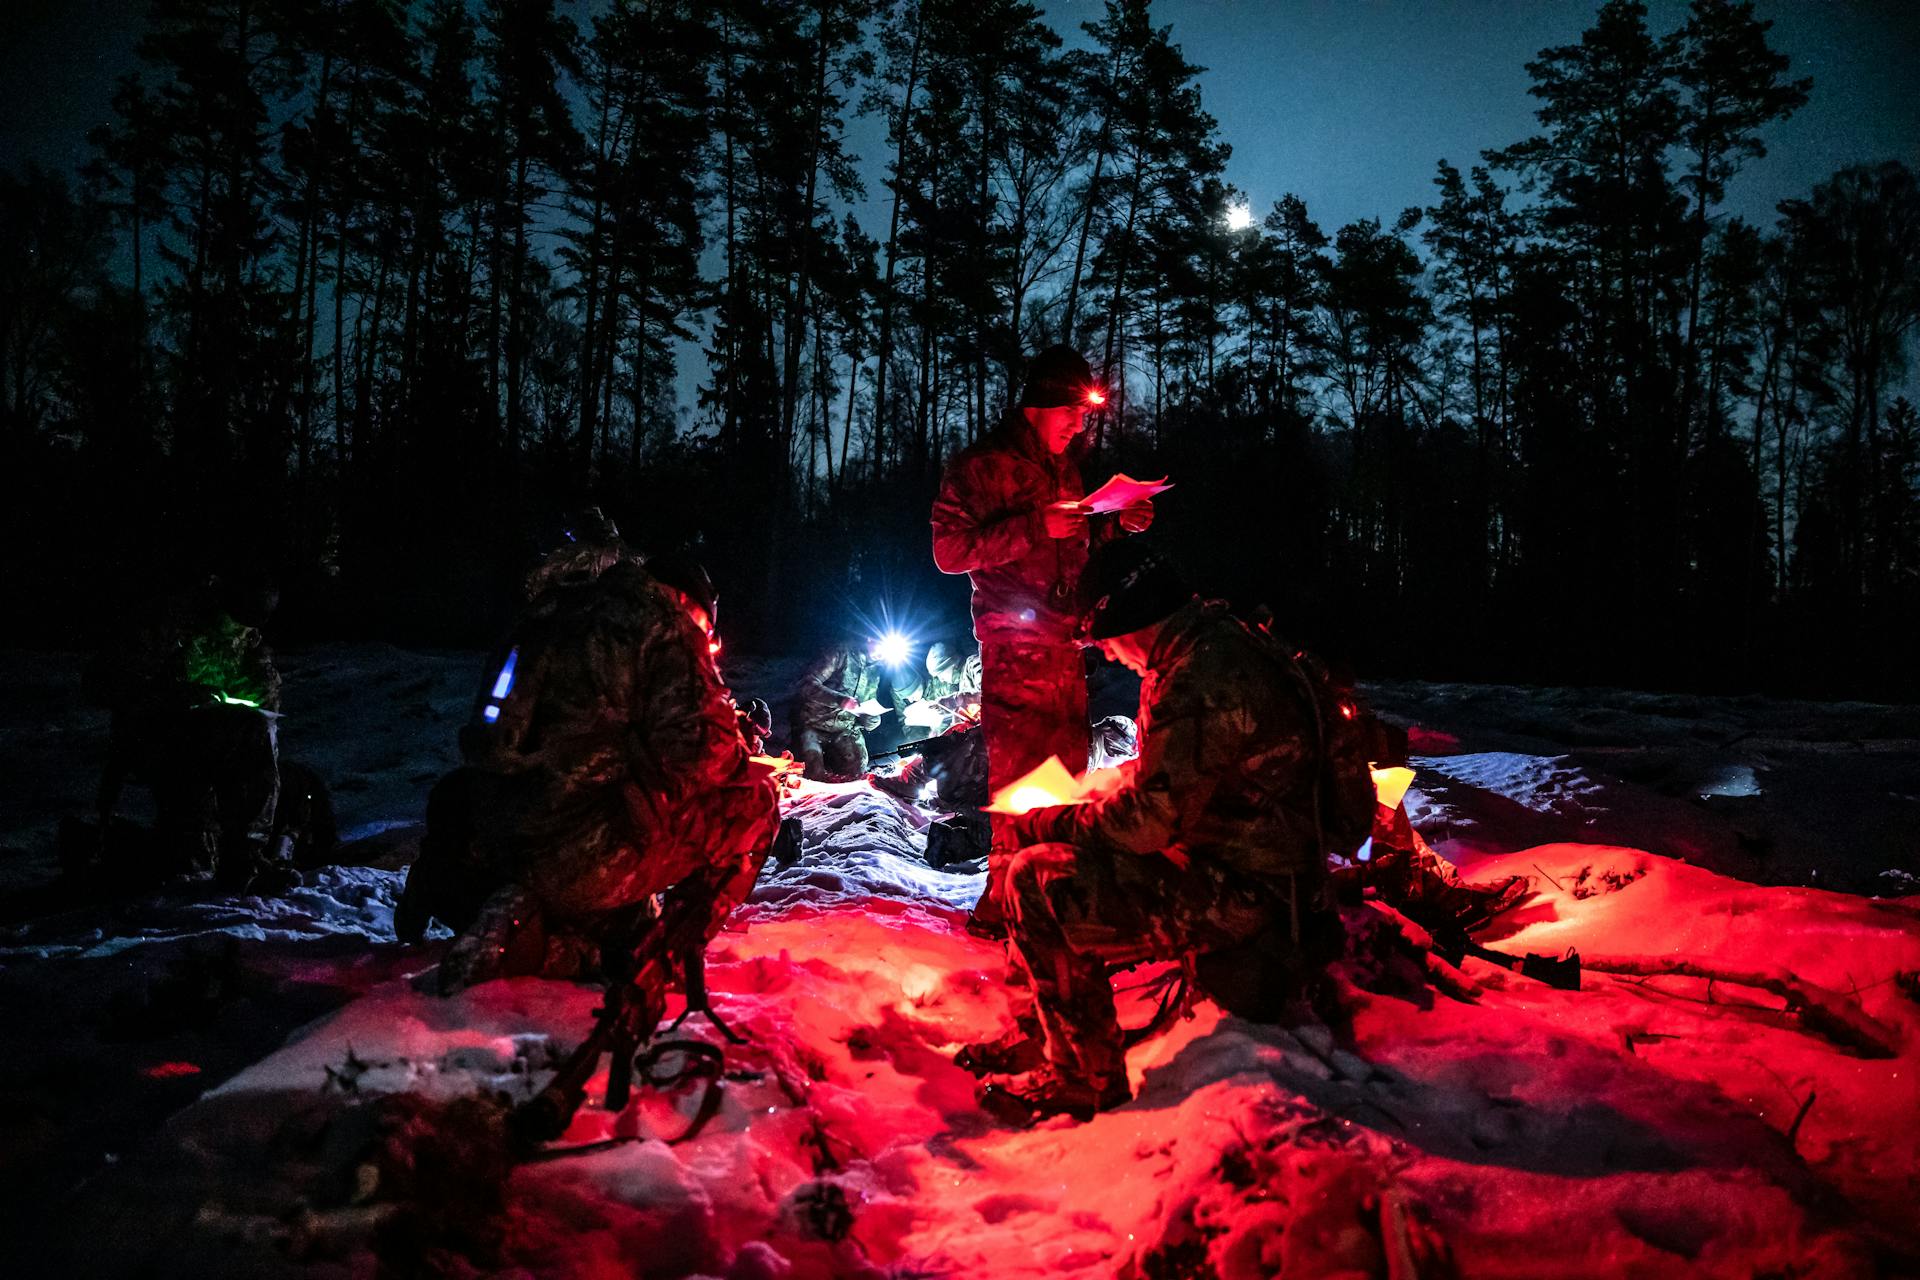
(1005, 516)
(941, 680)
(1214, 835)
(195, 696)
(604, 765)
(827, 729)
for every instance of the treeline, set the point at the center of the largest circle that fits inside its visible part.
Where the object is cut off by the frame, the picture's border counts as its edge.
(365, 291)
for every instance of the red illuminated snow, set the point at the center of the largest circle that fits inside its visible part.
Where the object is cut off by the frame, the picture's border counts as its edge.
(1632, 1128)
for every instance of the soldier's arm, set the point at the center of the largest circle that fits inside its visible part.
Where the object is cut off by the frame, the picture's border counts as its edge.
(1144, 815)
(259, 679)
(682, 731)
(973, 528)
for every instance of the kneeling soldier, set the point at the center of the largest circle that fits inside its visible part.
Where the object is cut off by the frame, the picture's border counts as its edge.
(1217, 835)
(604, 765)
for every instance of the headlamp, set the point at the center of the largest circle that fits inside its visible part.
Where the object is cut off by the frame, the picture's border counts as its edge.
(1095, 397)
(892, 649)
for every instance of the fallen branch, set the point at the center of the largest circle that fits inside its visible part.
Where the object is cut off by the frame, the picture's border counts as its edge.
(1793, 1130)
(1828, 1013)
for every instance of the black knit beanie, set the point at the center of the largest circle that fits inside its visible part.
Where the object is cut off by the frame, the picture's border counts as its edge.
(1057, 376)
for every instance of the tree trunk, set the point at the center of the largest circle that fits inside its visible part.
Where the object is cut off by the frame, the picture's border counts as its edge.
(902, 132)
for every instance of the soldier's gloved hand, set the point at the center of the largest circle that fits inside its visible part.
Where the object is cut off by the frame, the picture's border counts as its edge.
(1035, 826)
(1065, 520)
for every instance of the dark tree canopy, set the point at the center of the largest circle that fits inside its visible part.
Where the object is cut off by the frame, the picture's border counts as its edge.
(365, 291)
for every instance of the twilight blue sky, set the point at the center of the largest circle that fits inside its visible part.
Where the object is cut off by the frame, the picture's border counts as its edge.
(1346, 102)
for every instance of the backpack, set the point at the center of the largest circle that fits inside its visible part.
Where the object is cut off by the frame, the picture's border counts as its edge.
(1349, 740)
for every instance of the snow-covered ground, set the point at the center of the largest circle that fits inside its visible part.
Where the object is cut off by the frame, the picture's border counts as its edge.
(236, 1087)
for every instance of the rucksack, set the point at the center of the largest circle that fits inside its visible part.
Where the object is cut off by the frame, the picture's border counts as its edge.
(1347, 740)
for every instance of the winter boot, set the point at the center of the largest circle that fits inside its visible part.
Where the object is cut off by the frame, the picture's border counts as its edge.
(955, 843)
(1021, 1100)
(1018, 1049)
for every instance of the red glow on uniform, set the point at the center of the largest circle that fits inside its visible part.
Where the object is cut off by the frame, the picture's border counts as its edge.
(713, 647)
(171, 1070)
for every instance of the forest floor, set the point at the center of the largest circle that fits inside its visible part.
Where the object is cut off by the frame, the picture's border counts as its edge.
(212, 1086)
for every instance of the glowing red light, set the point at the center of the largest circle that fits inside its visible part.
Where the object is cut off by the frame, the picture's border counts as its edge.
(171, 1070)
(713, 647)
(1096, 397)
(1346, 710)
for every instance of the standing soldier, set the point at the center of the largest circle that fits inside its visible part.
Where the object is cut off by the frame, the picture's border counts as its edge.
(1008, 516)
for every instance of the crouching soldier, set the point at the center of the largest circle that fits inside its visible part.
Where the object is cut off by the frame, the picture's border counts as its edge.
(827, 727)
(604, 765)
(1214, 838)
(195, 697)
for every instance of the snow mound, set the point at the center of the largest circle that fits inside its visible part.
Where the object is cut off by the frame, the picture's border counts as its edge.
(860, 842)
(1543, 784)
(1642, 1126)
(333, 902)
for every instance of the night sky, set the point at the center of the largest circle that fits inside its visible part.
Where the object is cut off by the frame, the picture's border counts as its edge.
(1347, 103)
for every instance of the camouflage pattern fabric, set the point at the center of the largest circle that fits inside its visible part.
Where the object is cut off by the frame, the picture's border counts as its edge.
(1077, 911)
(955, 763)
(212, 767)
(825, 734)
(215, 780)
(614, 771)
(989, 522)
(1228, 767)
(925, 687)
(1033, 705)
(1226, 787)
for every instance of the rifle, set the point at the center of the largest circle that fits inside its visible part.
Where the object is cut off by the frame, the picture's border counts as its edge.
(937, 741)
(639, 963)
(1562, 972)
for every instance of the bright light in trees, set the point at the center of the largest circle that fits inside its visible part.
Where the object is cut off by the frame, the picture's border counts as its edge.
(1239, 217)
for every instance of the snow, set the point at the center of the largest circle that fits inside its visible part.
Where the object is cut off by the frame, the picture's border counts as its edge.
(1641, 1126)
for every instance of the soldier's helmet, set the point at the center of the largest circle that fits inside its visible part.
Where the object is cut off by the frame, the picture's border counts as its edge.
(581, 546)
(1128, 585)
(943, 663)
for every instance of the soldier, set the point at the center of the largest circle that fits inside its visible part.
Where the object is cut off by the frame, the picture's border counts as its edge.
(942, 691)
(1215, 836)
(195, 698)
(1006, 516)
(604, 765)
(827, 727)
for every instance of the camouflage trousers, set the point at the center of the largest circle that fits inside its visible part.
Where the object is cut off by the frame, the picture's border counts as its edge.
(1077, 912)
(529, 874)
(831, 755)
(215, 776)
(1033, 704)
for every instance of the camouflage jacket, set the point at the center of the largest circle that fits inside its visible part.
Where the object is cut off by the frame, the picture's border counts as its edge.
(989, 521)
(623, 742)
(925, 688)
(836, 674)
(1228, 764)
(193, 651)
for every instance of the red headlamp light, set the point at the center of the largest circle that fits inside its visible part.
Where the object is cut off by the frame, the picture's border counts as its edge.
(1095, 397)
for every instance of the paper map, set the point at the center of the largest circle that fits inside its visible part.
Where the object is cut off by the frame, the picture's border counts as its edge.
(1122, 491)
(1044, 787)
